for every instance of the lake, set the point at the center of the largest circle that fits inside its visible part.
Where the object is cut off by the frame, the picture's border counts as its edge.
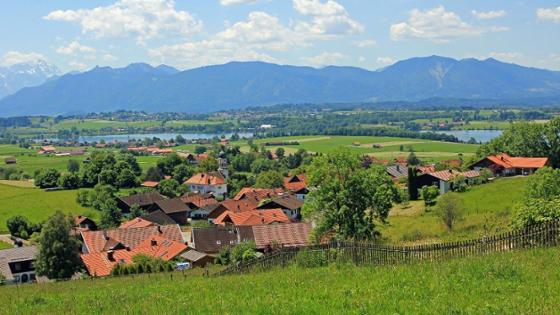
(162, 136)
(478, 135)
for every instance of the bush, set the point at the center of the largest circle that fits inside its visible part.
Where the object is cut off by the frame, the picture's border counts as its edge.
(47, 178)
(19, 226)
(429, 194)
(450, 209)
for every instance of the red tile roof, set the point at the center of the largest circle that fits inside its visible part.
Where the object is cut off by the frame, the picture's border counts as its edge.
(506, 161)
(96, 241)
(99, 264)
(198, 200)
(136, 223)
(289, 235)
(206, 179)
(449, 174)
(295, 183)
(150, 184)
(253, 217)
(263, 193)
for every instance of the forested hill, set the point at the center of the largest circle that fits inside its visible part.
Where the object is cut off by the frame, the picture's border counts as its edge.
(241, 84)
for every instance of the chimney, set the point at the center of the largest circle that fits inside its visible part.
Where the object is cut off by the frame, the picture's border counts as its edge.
(110, 255)
(159, 229)
(153, 242)
(398, 168)
(105, 235)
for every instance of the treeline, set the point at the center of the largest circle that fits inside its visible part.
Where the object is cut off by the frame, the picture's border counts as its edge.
(305, 130)
(15, 122)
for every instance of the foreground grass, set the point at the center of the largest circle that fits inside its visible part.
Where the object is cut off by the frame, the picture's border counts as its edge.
(36, 204)
(488, 211)
(508, 283)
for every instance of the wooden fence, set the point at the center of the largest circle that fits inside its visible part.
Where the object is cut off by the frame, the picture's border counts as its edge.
(361, 253)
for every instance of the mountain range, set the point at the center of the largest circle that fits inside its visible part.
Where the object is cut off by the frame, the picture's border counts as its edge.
(20, 75)
(236, 85)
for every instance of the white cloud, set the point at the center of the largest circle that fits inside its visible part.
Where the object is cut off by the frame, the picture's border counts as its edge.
(76, 65)
(143, 19)
(489, 14)
(437, 25)
(75, 47)
(234, 2)
(15, 57)
(109, 58)
(324, 59)
(328, 19)
(365, 43)
(552, 14)
(385, 61)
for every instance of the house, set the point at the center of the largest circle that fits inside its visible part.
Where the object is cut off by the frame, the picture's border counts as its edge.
(263, 193)
(101, 264)
(149, 184)
(290, 204)
(16, 264)
(197, 200)
(235, 206)
(175, 208)
(112, 239)
(212, 240)
(284, 235)
(397, 171)
(47, 150)
(442, 179)
(196, 258)
(252, 217)
(144, 201)
(136, 223)
(297, 184)
(10, 160)
(84, 223)
(204, 183)
(506, 165)
(159, 218)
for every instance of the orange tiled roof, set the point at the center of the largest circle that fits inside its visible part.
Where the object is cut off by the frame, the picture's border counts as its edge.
(242, 205)
(289, 235)
(262, 193)
(151, 184)
(96, 241)
(136, 223)
(99, 264)
(506, 161)
(206, 179)
(198, 200)
(447, 175)
(253, 217)
(295, 183)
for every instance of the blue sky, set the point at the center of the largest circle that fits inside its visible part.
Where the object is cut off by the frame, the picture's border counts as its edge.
(77, 35)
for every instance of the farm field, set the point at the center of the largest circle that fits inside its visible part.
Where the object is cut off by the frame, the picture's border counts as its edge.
(36, 204)
(524, 282)
(390, 146)
(488, 210)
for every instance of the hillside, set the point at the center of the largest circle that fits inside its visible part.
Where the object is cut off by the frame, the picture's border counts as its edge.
(509, 283)
(241, 84)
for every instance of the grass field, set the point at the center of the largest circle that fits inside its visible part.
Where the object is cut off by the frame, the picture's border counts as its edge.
(488, 210)
(390, 146)
(525, 282)
(36, 204)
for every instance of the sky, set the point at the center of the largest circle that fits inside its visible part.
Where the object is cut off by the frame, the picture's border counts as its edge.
(78, 35)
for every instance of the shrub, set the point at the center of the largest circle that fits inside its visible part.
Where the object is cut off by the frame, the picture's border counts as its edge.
(450, 209)
(429, 194)
(311, 258)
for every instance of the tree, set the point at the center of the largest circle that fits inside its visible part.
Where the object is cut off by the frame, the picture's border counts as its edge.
(200, 149)
(19, 226)
(182, 172)
(170, 188)
(136, 211)
(108, 177)
(346, 199)
(127, 179)
(280, 153)
(153, 174)
(73, 166)
(58, 256)
(269, 179)
(167, 164)
(412, 184)
(429, 194)
(541, 200)
(450, 209)
(69, 181)
(261, 165)
(243, 252)
(47, 178)
(412, 159)
(110, 214)
(208, 165)
(459, 183)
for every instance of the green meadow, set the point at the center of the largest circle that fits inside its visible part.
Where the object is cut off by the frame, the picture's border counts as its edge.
(488, 210)
(524, 282)
(36, 204)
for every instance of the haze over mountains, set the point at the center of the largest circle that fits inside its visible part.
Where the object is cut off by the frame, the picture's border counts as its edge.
(241, 84)
(18, 76)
